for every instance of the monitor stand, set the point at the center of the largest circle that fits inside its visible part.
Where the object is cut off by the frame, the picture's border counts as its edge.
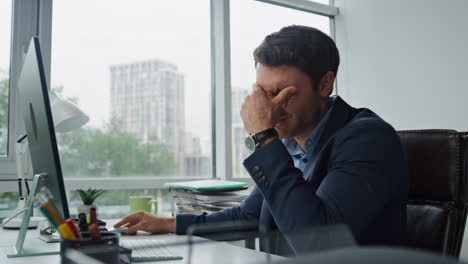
(37, 249)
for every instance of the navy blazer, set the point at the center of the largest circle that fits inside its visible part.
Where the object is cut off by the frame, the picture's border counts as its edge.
(358, 177)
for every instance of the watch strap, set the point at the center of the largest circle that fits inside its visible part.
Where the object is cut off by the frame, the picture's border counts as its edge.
(264, 135)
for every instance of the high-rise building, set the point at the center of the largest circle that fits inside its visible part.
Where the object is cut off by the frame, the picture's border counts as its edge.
(3, 110)
(147, 98)
(239, 151)
(194, 163)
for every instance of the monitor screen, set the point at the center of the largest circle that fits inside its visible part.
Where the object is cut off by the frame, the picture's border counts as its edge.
(37, 115)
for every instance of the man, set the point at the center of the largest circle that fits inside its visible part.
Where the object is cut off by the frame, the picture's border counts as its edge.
(316, 160)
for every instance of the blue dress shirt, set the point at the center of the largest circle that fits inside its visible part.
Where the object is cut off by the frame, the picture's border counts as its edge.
(300, 158)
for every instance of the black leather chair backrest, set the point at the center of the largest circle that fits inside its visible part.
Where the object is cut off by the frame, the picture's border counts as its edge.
(437, 204)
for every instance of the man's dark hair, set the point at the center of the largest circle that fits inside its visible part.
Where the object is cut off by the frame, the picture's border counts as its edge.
(306, 48)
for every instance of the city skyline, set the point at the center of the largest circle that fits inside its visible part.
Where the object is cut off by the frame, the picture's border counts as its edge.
(147, 99)
(83, 50)
(146, 29)
(133, 31)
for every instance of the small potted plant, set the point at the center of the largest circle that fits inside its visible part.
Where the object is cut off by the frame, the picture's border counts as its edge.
(88, 197)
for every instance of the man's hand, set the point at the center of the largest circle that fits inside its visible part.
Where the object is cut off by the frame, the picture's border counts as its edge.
(146, 222)
(259, 112)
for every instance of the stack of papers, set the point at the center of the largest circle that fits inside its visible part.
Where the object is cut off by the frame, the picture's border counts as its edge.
(207, 195)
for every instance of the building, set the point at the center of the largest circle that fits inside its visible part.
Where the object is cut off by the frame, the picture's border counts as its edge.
(3, 110)
(194, 162)
(239, 151)
(147, 98)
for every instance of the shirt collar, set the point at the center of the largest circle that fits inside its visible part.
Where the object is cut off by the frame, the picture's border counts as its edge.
(311, 141)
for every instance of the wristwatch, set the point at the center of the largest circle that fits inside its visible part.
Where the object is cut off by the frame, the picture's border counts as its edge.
(253, 140)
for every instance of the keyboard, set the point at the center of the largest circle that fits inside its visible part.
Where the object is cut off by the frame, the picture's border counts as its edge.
(148, 250)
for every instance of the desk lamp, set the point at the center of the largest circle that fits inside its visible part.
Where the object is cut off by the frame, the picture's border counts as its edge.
(67, 117)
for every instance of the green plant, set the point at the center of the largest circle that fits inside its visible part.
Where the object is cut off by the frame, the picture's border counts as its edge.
(89, 196)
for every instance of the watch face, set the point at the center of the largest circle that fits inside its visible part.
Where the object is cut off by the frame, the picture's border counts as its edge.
(250, 143)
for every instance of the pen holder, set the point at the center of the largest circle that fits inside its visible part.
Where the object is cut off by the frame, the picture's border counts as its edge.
(106, 249)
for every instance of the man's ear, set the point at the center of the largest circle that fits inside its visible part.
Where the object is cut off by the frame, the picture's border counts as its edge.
(326, 84)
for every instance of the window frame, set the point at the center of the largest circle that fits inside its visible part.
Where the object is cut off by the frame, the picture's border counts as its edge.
(30, 18)
(7, 163)
(26, 22)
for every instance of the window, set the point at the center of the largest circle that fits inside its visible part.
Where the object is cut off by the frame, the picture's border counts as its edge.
(248, 30)
(5, 32)
(114, 204)
(141, 71)
(8, 202)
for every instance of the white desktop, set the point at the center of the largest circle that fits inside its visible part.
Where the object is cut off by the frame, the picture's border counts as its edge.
(203, 251)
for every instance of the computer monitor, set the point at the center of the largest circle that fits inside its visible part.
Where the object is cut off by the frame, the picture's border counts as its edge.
(37, 115)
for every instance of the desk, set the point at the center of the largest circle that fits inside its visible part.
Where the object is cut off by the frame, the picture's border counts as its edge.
(210, 252)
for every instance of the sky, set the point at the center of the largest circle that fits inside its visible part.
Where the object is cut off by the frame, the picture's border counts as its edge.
(88, 36)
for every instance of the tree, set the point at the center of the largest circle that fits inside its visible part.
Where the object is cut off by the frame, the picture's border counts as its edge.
(111, 151)
(4, 101)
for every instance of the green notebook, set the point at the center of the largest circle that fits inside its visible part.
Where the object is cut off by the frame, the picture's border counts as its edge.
(209, 185)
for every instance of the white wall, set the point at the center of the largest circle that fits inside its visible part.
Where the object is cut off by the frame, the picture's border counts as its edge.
(406, 60)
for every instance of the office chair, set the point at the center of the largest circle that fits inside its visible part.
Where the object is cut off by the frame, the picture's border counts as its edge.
(437, 204)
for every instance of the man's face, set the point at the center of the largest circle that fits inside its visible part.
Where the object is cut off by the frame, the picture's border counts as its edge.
(301, 113)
